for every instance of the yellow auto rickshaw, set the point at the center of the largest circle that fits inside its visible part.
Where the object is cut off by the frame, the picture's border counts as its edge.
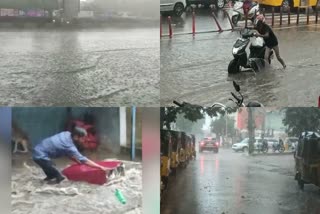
(175, 140)
(194, 153)
(307, 159)
(166, 148)
(289, 3)
(183, 151)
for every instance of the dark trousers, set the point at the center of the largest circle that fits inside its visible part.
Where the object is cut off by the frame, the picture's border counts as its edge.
(48, 168)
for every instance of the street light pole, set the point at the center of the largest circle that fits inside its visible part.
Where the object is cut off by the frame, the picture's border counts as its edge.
(251, 130)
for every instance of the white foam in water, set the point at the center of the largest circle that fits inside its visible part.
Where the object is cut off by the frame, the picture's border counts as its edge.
(31, 195)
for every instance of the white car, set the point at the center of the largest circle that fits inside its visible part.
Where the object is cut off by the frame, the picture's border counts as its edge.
(177, 7)
(244, 145)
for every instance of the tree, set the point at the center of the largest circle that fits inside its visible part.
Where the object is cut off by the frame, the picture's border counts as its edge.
(193, 113)
(218, 126)
(300, 119)
(188, 126)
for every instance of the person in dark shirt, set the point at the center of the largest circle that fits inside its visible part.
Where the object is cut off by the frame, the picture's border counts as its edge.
(270, 39)
(59, 145)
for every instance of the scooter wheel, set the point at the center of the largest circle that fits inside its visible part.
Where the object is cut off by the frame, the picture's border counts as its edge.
(233, 67)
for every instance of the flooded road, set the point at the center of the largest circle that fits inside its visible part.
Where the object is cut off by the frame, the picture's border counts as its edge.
(95, 67)
(30, 195)
(195, 70)
(230, 182)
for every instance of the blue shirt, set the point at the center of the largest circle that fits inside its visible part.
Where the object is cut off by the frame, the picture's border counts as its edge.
(57, 146)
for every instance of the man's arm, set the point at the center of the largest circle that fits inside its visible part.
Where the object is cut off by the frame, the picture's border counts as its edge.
(266, 35)
(93, 164)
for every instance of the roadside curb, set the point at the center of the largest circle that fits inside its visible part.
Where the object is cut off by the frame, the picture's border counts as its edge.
(272, 154)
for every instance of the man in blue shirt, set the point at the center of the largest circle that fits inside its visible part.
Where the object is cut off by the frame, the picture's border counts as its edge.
(62, 144)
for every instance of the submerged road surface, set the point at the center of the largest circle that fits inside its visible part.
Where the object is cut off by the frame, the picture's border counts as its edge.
(95, 67)
(29, 194)
(195, 69)
(233, 183)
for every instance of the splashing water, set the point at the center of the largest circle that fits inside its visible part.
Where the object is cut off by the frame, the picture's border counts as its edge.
(32, 195)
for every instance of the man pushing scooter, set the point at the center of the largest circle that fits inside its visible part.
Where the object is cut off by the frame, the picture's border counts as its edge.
(59, 145)
(270, 39)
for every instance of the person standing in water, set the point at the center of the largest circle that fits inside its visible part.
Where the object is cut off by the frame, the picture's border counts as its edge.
(270, 39)
(59, 145)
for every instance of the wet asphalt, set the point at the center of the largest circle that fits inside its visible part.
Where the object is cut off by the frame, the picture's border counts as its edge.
(195, 69)
(230, 182)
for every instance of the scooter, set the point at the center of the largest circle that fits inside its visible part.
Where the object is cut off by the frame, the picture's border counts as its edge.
(263, 147)
(238, 12)
(256, 55)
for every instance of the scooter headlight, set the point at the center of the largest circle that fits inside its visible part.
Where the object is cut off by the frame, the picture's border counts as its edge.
(235, 50)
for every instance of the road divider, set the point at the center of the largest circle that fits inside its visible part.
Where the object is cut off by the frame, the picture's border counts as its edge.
(193, 27)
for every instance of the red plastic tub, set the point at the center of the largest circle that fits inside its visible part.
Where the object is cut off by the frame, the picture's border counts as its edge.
(81, 172)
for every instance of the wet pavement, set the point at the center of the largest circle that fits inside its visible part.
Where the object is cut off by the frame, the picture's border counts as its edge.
(195, 69)
(235, 183)
(29, 194)
(94, 67)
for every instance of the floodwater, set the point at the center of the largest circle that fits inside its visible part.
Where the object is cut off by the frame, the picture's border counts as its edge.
(29, 194)
(229, 182)
(195, 69)
(95, 67)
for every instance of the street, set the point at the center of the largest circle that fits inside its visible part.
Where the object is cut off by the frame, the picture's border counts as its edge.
(235, 183)
(195, 69)
(79, 67)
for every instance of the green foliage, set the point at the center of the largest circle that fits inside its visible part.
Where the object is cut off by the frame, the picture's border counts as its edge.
(300, 119)
(189, 126)
(192, 113)
(218, 126)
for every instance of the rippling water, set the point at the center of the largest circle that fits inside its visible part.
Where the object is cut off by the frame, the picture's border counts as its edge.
(30, 195)
(92, 67)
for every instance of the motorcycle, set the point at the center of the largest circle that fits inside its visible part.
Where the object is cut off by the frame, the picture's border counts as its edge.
(256, 55)
(239, 15)
(263, 147)
(278, 147)
(239, 101)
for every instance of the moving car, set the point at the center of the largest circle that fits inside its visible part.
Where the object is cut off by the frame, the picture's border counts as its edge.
(210, 144)
(176, 7)
(218, 3)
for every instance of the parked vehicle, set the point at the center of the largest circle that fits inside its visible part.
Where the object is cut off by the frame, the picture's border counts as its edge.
(278, 146)
(238, 13)
(292, 142)
(307, 159)
(175, 7)
(219, 4)
(242, 146)
(166, 148)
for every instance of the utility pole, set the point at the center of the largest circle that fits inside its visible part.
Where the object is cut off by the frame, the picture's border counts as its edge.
(251, 125)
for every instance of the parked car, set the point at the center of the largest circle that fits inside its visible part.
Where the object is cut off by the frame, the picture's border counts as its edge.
(210, 144)
(271, 141)
(244, 145)
(218, 3)
(292, 142)
(176, 7)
